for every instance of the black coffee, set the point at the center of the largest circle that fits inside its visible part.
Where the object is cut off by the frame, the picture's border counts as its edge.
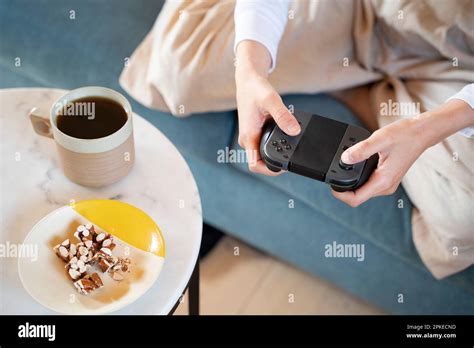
(91, 117)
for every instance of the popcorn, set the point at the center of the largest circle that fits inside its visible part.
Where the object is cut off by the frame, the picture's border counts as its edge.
(93, 250)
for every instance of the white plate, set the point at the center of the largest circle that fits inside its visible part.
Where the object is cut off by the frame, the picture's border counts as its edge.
(45, 278)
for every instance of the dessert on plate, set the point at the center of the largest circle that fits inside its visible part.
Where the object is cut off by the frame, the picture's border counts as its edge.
(93, 253)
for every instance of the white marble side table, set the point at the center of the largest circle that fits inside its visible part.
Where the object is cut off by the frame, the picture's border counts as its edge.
(32, 185)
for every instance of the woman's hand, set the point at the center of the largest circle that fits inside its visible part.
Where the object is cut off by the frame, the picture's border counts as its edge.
(398, 148)
(399, 145)
(257, 100)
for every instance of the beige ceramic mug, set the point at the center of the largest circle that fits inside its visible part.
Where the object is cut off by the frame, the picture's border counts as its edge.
(90, 162)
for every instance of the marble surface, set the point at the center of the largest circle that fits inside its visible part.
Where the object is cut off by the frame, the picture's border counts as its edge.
(32, 185)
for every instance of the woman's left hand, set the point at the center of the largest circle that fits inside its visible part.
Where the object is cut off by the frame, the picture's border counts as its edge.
(398, 145)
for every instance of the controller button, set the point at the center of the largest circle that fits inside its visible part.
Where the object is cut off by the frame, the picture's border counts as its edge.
(283, 141)
(345, 166)
(288, 147)
(344, 148)
(285, 156)
(274, 143)
(279, 148)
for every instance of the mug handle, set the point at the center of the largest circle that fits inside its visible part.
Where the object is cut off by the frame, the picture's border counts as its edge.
(41, 124)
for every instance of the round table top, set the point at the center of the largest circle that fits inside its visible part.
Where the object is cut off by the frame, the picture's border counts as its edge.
(32, 185)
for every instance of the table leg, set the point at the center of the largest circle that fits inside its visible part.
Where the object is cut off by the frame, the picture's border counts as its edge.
(193, 291)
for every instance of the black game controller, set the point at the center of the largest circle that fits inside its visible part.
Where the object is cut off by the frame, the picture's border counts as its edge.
(316, 151)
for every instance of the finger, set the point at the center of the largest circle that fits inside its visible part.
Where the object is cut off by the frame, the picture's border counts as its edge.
(256, 164)
(249, 129)
(260, 168)
(364, 149)
(254, 159)
(273, 104)
(372, 188)
(250, 141)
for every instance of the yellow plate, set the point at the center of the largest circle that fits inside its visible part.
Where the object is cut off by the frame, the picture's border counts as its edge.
(124, 221)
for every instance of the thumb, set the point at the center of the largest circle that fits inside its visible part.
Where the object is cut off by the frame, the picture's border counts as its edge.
(282, 116)
(363, 150)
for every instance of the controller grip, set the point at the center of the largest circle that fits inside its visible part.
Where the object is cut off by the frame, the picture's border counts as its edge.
(370, 166)
(272, 168)
(266, 131)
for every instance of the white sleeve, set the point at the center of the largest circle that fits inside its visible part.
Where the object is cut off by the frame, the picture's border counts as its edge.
(263, 21)
(466, 94)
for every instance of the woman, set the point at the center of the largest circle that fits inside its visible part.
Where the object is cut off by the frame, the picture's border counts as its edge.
(259, 28)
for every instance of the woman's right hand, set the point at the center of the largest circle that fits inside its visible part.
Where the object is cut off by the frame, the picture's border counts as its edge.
(257, 101)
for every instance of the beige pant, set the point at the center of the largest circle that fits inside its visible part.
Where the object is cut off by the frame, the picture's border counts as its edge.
(440, 183)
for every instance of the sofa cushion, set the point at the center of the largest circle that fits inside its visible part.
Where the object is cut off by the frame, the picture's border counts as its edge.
(66, 43)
